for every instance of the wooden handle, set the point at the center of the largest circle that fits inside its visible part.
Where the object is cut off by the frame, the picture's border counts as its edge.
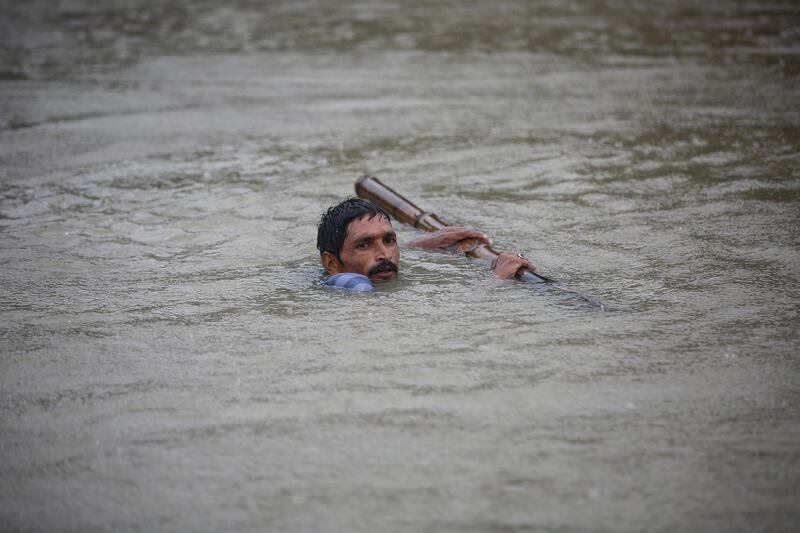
(371, 188)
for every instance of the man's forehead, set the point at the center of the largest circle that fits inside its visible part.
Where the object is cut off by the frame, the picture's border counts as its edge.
(366, 224)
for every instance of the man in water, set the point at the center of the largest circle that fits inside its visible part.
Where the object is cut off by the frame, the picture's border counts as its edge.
(358, 246)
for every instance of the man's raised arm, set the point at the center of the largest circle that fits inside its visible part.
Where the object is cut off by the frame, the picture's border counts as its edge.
(446, 237)
(505, 266)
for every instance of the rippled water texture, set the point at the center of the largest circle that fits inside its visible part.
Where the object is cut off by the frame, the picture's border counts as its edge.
(170, 363)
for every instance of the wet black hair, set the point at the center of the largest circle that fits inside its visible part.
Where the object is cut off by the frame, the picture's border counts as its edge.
(332, 228)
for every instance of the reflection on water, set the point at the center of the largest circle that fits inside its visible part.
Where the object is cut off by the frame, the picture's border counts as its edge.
(169, 360)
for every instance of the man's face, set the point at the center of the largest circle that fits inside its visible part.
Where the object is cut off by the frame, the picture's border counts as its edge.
(370, 248)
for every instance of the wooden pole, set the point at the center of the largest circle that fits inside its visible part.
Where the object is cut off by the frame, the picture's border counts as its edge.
(370, 188)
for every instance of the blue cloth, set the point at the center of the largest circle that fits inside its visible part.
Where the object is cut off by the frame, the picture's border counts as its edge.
(349, 281)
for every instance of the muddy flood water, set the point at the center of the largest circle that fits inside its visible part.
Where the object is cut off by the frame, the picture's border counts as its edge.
(170, 362)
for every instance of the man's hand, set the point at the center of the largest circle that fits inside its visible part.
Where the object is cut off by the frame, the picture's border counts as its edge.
(509, 263)
(445, 237)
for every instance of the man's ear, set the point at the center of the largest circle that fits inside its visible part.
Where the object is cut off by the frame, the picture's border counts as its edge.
(330, 263)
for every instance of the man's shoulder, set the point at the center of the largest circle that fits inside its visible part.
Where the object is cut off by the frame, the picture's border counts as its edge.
(349, 281)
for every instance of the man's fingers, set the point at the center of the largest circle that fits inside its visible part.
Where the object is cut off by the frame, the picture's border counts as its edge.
(527, 263)
(465, 233)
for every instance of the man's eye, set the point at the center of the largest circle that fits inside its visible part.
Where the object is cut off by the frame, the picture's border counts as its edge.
(390, 240)
(362, 246)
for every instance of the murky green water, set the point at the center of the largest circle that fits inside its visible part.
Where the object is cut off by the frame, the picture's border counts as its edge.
(169, 362)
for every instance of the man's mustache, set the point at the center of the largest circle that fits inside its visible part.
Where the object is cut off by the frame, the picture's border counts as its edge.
(382, 266)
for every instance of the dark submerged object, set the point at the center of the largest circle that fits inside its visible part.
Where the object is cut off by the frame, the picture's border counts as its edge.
(370, 188)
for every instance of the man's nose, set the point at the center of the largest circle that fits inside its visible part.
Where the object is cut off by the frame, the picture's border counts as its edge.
(383, 251)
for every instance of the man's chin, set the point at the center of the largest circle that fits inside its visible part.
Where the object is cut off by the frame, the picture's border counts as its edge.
(383, 276)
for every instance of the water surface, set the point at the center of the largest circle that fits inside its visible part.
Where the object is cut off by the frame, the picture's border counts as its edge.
(169, 361)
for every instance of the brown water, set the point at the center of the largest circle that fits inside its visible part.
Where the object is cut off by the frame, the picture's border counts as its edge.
(170, 363)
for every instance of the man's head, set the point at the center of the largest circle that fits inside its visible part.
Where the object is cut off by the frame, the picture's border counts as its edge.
(357, 236)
